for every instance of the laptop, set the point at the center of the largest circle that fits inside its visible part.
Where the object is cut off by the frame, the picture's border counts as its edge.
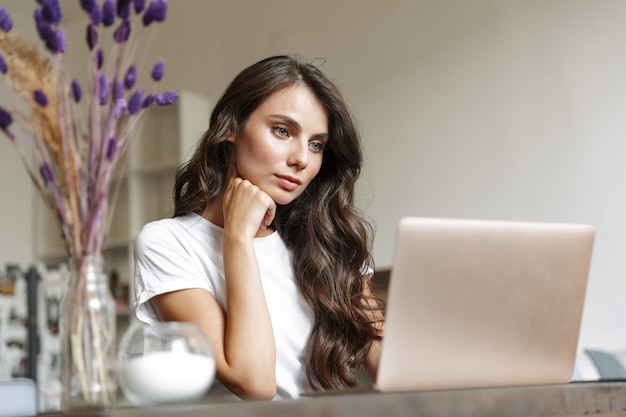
(476, 303)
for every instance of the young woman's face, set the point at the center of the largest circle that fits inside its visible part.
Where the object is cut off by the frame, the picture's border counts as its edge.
(281, 146)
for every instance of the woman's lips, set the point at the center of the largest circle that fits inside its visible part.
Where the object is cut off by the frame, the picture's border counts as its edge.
(288, 183)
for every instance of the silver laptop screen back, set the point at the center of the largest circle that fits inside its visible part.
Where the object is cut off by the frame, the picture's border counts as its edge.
(483, 303)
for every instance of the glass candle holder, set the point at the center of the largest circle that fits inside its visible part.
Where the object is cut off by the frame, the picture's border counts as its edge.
(167, 362)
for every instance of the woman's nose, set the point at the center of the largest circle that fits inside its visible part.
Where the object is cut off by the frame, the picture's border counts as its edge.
(299, 154)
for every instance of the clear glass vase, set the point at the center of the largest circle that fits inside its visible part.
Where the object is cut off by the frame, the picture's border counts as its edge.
(88, 338)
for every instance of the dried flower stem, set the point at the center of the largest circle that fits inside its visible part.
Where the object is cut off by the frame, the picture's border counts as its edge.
(76, 152)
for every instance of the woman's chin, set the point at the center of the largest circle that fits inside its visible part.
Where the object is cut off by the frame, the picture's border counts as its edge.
(283, 201)
(281, 197)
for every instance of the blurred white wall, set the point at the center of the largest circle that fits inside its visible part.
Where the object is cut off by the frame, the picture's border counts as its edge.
(468, 108)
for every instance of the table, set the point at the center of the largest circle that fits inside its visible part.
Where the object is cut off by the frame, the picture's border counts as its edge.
(572, 399)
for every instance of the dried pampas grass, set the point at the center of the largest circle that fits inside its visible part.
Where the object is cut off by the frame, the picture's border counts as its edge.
(28, 71)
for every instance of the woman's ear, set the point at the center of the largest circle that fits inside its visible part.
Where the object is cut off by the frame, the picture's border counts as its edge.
(230, 137)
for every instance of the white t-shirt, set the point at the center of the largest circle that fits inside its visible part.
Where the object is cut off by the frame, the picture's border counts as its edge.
(186, 252)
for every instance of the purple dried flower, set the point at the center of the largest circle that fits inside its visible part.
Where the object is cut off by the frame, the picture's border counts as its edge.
(104, 86)
(40, 97)
(53, 38)
(166, 98)
(49, 36)
(139, 5)
(108, 13)
(6, 24)
(119, 91)
(5, 119)
(51, 11)
(148, 100)
(88, 5)
(111, 149)
(46, 172)
(40, 23)
(130, 77)
(156, 12)
(123, 9)
(134, 104)
(122, 32)
(158, 70)
(99, 58)
(119, 108)
(61, 41)
(96, 15)
(3, 65)
(5, 122)
(92, 36)
(77, 92)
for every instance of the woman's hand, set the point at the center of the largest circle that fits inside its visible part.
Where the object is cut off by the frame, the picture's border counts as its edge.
(246, 207)
(378, 320)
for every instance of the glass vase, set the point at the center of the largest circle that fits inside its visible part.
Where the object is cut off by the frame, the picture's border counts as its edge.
(88, 338)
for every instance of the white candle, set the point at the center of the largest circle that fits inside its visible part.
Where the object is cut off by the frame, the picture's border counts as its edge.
(163, 377)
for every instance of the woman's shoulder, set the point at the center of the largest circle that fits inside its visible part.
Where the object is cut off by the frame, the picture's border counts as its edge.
(180, 228)
(187, 231)
(186, 223)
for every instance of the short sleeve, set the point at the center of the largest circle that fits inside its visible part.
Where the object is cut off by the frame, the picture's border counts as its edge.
(163, 263)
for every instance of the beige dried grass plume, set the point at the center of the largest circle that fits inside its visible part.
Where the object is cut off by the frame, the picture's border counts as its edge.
(28, 71)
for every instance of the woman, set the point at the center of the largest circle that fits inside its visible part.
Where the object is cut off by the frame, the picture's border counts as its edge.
(266, 251)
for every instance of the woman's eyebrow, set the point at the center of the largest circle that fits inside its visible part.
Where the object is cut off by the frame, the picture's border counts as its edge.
(295, 125)
(287, 120)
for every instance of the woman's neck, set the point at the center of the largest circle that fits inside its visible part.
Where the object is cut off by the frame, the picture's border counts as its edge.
(214, 212)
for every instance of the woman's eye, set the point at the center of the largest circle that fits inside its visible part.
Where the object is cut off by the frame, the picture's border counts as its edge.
(317, 146)
(281, 131)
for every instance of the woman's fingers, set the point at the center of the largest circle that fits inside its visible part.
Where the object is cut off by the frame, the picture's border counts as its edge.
(269, 214)
(246, 207)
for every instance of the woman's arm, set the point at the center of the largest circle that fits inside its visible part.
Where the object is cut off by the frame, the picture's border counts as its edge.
(373, 354)
(242, 339)
(244, 354)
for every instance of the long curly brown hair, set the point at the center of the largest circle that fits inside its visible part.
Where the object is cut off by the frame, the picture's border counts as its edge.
(328, 237)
